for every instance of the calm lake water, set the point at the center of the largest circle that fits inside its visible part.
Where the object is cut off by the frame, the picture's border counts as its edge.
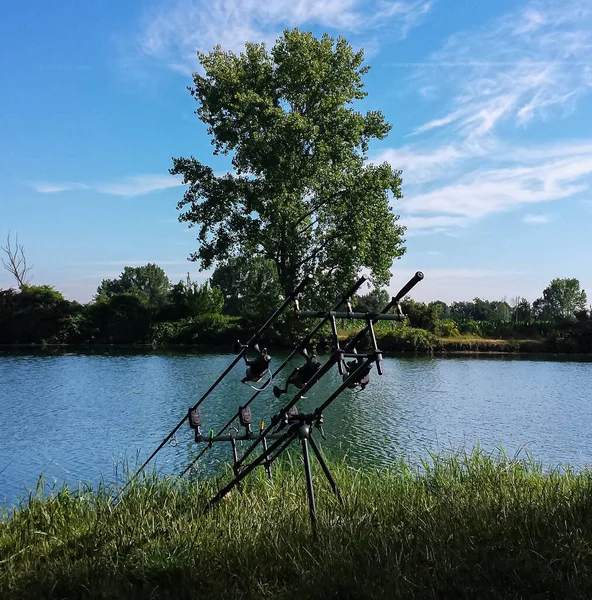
(76, 417)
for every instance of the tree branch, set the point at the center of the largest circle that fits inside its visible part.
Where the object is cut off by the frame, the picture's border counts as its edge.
(311, 212)
(17, 261)
(315, 252)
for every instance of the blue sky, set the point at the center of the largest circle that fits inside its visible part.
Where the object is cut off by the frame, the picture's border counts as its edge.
(490, 105)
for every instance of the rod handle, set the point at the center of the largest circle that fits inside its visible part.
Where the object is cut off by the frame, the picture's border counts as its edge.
(307, 279)
(408, 286)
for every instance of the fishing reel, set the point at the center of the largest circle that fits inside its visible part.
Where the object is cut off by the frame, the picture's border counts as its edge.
(301, 375)
(257, 367)
(362, 377)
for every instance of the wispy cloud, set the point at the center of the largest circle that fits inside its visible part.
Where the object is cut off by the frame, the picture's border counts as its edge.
(136, 185)
(532, 63)
(536, 219)
(47, 187)
(487, 191)
(463, 164)
(137, 263)
(179, 28)
(439, 221)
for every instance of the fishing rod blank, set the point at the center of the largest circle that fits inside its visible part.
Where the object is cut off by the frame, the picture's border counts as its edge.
(289, 299)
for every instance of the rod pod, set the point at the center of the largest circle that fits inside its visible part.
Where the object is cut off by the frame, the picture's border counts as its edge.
(256, 337)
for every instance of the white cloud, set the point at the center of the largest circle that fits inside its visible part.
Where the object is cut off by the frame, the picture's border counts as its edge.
(136, 185)
(489, 191)
(174, 34)
(436, 222)
(47, 187)
(421, 164)
(534, 62)
(535, 219)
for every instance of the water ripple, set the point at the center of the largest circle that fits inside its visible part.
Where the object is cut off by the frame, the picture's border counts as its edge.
(77, 417)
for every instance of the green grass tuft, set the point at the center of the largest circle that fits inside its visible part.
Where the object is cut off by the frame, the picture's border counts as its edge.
(466, 526)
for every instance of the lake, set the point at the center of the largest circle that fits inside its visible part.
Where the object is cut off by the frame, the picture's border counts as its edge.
(79, 417)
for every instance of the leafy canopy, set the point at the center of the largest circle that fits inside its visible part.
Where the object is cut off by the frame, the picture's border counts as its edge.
(562, 299)
(301, 193)
(149, 283)
(190, 299)
(250, 287)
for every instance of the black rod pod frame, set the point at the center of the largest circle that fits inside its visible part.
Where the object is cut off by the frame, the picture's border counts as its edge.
(334, 359)
(300, 426)
(254, 340)
(302, 345)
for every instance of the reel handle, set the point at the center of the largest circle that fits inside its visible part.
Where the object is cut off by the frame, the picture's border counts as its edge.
(237, 346)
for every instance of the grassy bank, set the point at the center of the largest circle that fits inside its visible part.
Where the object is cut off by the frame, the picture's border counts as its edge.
(465, 527)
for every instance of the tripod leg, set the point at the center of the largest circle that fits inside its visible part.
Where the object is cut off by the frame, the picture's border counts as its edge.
(325, 468)
(253, 465)
(267, 462)
(309, 487)
(235, 457)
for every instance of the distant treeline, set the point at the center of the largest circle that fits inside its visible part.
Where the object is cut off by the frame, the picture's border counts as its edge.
(143, 307)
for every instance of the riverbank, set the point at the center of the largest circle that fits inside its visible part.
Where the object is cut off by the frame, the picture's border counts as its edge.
(440, 346)
(467, 526)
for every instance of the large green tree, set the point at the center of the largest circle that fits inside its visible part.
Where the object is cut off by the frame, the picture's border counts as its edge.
(190, 299)
(250, 287)
(302, 193)
(562, 298)
(149, 283)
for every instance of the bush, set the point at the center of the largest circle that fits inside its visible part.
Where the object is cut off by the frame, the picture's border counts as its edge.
(205, 329)
(448, 328)
(405, 338)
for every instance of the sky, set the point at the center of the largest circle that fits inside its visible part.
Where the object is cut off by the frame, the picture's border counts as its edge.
(490, 104)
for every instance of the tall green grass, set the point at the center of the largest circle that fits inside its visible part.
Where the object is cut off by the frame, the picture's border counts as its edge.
(466, 526)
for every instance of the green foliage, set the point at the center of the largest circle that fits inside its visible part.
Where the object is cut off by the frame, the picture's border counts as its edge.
(250, 287)
(481, 310)
(374, 301)
(204, 329)
(562, 299)
(37, 314)
(149, 283)
(404, 338)
(471, 327)
(302, 193)
(522, 311)
(576, 338)
(459, 526)
(190, 299)
(118, 319)
(423, 316)
(448, 328)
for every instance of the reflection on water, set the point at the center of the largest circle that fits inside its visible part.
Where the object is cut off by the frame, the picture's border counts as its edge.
(73, 417)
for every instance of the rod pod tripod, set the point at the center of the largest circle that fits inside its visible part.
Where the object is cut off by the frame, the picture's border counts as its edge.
(300, 426)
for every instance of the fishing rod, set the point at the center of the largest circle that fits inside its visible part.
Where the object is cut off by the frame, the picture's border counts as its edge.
(300, 426)
(283, 441)
(336, 357)
(325, 316)
(256, 337)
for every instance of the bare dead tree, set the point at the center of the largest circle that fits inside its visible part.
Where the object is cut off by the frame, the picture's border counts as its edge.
(17, 261)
